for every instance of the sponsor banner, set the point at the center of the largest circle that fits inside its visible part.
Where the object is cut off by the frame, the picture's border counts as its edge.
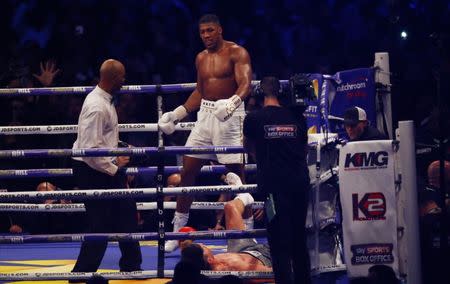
(31, 173)
(188, 86)
(184, 126)
(218, 205)
(145, 274)
(372, 254)
(194, 206)
(198, 235)
(138, 127)
(353, 88)
(10, 130)
(41, 276)
(120, 193)
(209, 189)
(61, 129)
(280, 131)
(20, 207)
(224, 234)
(128, 89)
(77, 194)
(68, 129)
(132, 88)
(367, 193)
(79, 207)
(240, 274)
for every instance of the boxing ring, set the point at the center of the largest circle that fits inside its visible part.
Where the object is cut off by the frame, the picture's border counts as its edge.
(322, 170)
(155, 240)
(160, 236)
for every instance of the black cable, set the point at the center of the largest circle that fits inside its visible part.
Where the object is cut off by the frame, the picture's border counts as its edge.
(381, 89)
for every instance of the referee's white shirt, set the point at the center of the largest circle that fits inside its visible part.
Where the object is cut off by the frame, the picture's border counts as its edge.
(98, 128)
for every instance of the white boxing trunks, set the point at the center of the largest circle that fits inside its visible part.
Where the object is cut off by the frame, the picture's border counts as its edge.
(210, 131)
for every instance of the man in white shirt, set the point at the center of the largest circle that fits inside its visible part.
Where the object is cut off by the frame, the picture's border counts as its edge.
(98, 128)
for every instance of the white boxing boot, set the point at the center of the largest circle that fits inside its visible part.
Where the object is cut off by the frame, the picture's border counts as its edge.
(179, 220)
(233, 179)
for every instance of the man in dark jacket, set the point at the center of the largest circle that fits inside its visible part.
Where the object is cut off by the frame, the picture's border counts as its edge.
(357, 126)
(277, 136)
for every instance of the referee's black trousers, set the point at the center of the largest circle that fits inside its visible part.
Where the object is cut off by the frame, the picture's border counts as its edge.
(106, 216)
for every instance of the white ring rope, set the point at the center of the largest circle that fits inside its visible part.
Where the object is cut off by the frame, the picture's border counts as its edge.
(127, 192)
(145, 274)
(72, 128)
(79, 207)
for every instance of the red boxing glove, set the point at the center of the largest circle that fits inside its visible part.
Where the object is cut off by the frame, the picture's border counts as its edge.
(185, 243)
(186, 229)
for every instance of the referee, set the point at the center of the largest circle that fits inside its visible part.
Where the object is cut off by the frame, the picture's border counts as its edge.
(98, 128)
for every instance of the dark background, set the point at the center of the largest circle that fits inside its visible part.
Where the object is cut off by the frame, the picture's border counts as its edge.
(158, 41)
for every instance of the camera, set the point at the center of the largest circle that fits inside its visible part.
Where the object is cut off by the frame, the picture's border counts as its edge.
(302, 90)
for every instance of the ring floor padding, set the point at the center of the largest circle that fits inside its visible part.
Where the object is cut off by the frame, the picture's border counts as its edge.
(60, 257)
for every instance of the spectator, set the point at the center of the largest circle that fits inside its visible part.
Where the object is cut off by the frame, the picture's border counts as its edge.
(47, 186)
(382, 274)
(54, 222)
(431, 195)
(434, 258)
(357, 126)
(11, 222)
(427, 139)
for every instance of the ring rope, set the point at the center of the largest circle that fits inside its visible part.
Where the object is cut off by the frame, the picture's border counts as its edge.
(73, 128)
(145, 274)
(127, 192)
(79, 207)
(129, 89)
(32, 173)
(104, 152)
(151, 236)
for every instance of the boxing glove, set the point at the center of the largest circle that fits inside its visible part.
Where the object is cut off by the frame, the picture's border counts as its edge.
(169, 119)
(186, 229)
(185, 243)
(224, 108)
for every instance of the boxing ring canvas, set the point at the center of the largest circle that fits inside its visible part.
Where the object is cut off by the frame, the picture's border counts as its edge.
(60, 257)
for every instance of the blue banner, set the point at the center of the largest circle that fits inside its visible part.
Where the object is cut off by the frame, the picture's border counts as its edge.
(353, 88)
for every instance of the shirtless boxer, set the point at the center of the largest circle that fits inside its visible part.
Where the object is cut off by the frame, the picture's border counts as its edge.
(223, 82)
